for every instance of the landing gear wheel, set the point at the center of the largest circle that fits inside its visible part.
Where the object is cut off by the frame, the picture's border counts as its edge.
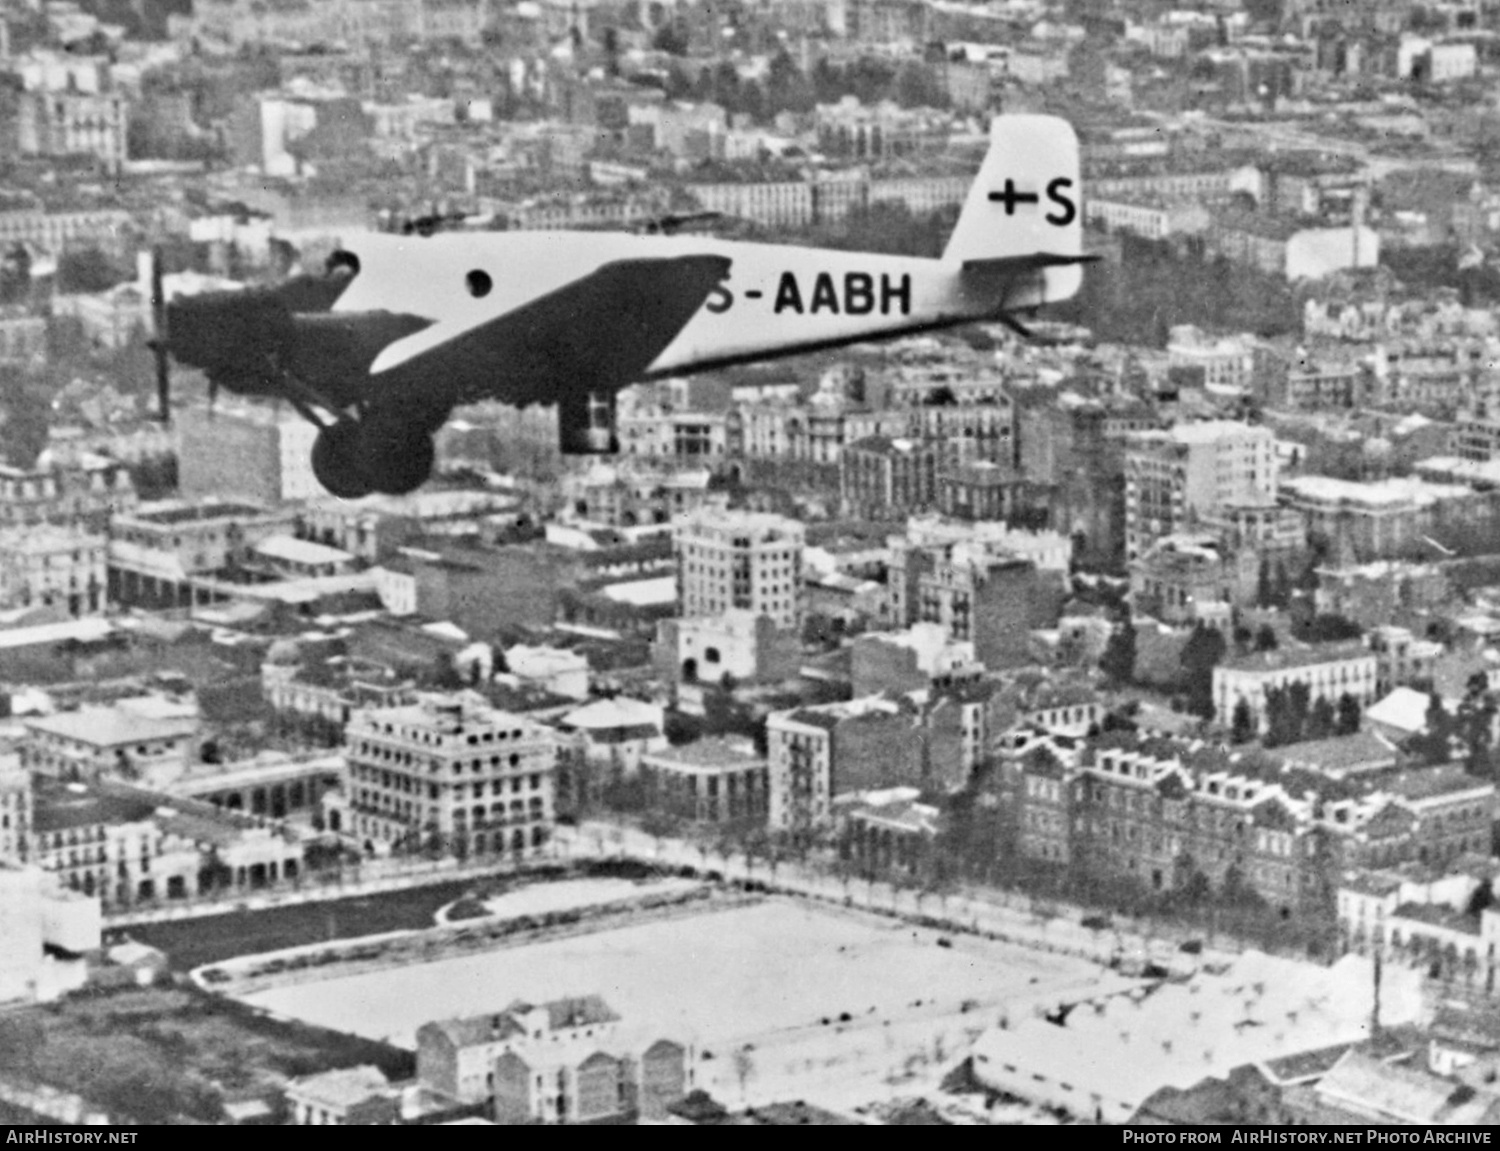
(397, 457)
(337, 461)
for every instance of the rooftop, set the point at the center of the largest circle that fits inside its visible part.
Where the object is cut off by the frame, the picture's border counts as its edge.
(106, 727)
(710, 754)
(1286, 658)
(340, 1089)
(173, 512)
(293, 550)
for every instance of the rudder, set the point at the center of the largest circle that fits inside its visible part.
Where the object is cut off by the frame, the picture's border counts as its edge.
(1026, 201)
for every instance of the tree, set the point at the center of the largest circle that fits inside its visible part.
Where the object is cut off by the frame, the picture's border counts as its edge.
(1475, 724)
(1299, 705)
(1200, 655)
(86, 271)
(1265, 638)
(1322, 720)
(1242, 729)
(1349, 715)
(670, 39)
(1118, 660)
(1432, 744)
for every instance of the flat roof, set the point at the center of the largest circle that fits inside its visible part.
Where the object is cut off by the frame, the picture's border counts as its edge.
(293, 550)
(112, 726)
(180, 512)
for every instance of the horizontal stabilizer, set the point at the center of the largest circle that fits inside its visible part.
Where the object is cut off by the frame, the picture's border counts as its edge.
(1020, 265)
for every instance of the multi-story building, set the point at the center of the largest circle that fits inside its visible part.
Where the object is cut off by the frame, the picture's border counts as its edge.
(1285, 248)
(1476, 436)
(1165, 812)
(86, 493)
(1147, 214)
(979, 490)
(28, 221)
(457, 1056)
(15, 809)
(1402, 658)
(451, 773)
(1419, 915)
(622, 496)
(49, 566)
(990, 589)
(1227, 362)
(1186, 578)
(161, 553)
(245, 452)
(129, 846)
(1383, 519)
(1071, 448)
(135, 740)
(58, 124)
(659, 431)
(1330, 672)
(1175, 476)
(817, 754)
(740, 560)
(710, 781)
(881, 477)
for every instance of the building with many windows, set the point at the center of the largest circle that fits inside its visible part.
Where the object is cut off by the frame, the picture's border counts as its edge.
(740, 560)
(48, 566)
(710, 781)
(1329, 671)
(1192, 470)
(453, 773)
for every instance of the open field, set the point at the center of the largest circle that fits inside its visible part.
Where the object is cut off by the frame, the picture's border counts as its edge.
(747, 974)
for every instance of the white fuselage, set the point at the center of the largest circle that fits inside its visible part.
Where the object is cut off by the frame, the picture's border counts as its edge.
(777, 298)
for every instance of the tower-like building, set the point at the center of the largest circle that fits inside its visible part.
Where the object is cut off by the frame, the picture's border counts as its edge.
(736, 559)
(452, 774)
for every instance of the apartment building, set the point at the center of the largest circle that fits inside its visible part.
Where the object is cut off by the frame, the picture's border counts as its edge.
(50, 566)
(741, 559)
(453, 774)
(1329, 671)
(1192, 470)
(1170, 813)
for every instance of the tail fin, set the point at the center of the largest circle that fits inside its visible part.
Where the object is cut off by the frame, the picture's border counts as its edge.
(1026, 202)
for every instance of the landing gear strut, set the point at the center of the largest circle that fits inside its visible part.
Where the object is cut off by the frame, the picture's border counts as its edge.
(352, 458)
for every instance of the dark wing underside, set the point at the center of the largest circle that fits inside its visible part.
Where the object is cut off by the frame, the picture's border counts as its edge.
(599, 333)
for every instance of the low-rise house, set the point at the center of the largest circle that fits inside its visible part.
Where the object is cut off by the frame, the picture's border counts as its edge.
(348, 1097)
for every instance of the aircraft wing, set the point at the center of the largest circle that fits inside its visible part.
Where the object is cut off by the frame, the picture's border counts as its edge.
(605, 328)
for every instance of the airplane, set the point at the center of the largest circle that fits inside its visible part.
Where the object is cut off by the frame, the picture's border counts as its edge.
(401, 329)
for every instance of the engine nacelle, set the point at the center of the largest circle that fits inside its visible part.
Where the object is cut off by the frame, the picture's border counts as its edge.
(586, 424)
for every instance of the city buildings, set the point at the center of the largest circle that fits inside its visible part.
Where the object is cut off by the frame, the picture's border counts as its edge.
(1193, 470)
(1328, 672)
(49, 566)
(451, 774)
(740, 560)
(707, 781)
(244, 452)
